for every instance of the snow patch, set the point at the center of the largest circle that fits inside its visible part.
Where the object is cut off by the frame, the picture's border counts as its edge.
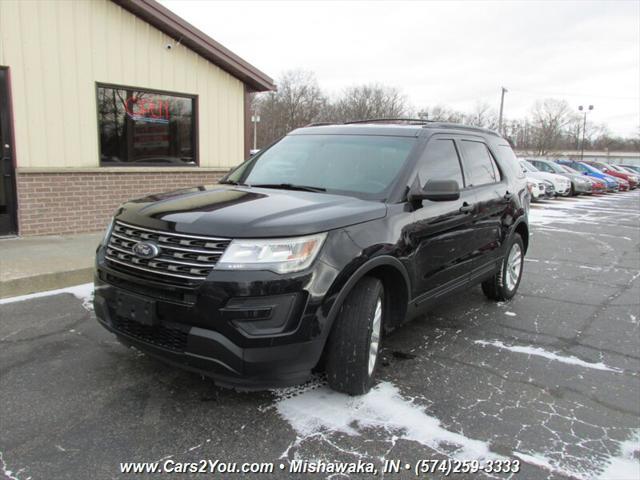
(82, 292)
(510, 314)
(5, 470)
(321, 410)
(541, 352)
(539, 460)
(625, 466)
(627, 463)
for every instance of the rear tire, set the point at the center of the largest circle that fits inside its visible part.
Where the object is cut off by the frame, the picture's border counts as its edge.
(354, 344)
(505, 282)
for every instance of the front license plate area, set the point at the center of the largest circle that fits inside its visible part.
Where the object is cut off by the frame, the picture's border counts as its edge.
(137, 309)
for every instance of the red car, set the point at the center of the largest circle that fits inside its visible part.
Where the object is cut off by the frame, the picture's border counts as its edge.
(609, 170)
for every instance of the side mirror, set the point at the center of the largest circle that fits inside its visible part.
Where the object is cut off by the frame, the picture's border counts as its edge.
(437, 191)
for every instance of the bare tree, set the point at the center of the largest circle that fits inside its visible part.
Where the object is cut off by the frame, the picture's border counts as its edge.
(370, 101)
(482, 116)
(440, 113)
(297, 102)
(550, 119)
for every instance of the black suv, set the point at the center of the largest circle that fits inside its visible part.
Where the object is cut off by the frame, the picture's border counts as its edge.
(306, 254)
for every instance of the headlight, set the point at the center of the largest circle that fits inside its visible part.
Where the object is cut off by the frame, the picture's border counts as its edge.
(279, 255)
(107, 233)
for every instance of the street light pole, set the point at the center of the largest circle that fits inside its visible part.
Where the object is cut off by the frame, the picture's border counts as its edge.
(255, 118)
(584, 126)
(504, 90)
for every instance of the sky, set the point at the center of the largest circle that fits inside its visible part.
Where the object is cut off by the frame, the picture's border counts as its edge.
(455, 53)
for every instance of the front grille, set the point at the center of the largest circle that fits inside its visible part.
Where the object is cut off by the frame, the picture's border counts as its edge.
(182, 257)
(169, 338)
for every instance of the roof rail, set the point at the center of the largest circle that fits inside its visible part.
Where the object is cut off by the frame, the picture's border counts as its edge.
(419, 121)
(319, 124)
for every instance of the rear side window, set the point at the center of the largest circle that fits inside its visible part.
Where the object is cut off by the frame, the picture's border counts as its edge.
(440, 161)
(480, 167)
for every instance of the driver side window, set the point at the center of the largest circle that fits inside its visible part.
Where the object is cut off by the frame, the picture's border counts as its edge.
(440, 161)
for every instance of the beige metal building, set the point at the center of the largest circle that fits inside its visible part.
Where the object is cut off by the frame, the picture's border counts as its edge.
(104, 100)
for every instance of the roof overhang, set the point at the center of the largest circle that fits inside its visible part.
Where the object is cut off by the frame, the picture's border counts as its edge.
(172, 25)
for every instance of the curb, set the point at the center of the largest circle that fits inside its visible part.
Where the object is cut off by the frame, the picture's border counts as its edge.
(43, 282)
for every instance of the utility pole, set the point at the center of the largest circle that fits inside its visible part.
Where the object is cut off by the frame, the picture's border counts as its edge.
(255, 118)
(584, 126)
(504, 90)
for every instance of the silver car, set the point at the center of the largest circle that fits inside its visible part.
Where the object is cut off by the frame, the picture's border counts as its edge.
(579, 184)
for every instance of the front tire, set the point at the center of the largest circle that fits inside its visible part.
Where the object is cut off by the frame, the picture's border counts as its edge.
(504, 284)
(354, 344)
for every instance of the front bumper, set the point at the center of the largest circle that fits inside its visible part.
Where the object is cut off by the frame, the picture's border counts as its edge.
(563, 190)
(582, 187)
(252, 330)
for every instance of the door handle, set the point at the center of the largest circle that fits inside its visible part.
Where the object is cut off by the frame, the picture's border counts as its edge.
(466, 208)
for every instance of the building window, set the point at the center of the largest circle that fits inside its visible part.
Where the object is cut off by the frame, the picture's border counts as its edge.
(146, 128)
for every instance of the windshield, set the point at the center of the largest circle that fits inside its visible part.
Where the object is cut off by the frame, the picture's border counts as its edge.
(564, 168)
(601, 166)
(528, 167)
(364, 165)
(590, 168)
(554, 166)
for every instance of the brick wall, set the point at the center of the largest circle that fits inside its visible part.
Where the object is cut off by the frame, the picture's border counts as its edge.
(75, 202)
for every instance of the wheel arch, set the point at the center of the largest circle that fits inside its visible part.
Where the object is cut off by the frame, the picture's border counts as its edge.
(522, 228)
(395, 279)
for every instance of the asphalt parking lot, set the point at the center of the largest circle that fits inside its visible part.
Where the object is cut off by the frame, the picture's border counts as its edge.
(550, 379)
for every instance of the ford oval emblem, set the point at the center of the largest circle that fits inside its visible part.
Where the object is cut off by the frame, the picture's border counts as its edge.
(146, 250)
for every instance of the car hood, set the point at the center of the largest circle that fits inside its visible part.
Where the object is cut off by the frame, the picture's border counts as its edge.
(552, 177)
(245, 212)
(576, 177)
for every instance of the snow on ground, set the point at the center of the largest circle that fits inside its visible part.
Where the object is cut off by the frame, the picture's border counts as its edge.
(571, 211)
(9, 474)
(321, 411)
(541, 352)
(627, 463)
(82, 292)
(624, 466)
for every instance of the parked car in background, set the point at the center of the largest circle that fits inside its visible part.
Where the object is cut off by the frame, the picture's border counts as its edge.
(634, 176)
(630, 179)
(579, 183)
(628, 169)
(632, 168)
(561, 185)
(597, 186)
(608, 180)
(536, 189)
(549, 189)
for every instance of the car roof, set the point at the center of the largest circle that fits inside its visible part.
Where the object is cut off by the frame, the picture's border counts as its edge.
(392, 128)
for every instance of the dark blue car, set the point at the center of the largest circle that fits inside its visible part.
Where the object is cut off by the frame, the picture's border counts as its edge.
(611, 184)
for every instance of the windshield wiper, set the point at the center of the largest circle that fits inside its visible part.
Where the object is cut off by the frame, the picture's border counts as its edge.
(290, 186)
(231, 182)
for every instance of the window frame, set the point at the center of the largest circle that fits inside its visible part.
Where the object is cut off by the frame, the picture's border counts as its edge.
(495, 166)
(195, 126)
